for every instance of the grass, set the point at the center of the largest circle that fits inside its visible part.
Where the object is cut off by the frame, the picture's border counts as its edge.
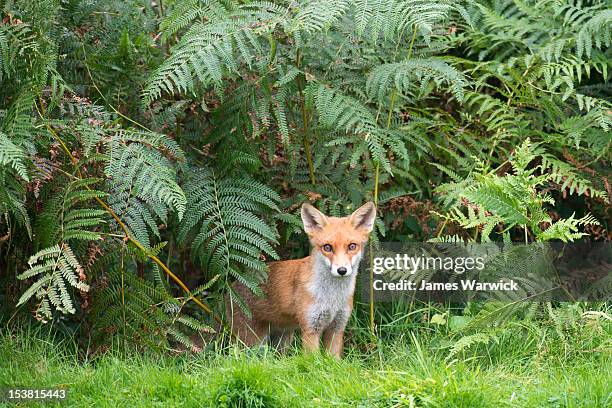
(527, 366)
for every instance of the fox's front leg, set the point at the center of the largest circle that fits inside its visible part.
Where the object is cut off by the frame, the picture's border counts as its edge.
(333, 340)
(311, 340)
(333, 336)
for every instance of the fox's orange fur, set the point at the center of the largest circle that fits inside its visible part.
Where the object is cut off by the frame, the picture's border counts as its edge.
(314, 294)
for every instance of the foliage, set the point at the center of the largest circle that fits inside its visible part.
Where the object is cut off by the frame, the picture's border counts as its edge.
(229, 236)
(147, 144)
(135, 311)
(514, 200)
(56, 265)
(527, 362)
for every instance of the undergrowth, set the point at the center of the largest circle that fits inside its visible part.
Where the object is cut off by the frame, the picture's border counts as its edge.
(528, 365)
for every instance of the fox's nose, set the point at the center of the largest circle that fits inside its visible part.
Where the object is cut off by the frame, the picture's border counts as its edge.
(341, 271)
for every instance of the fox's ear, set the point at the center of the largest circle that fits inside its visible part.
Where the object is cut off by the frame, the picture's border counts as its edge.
(312, 218)
(363, 218)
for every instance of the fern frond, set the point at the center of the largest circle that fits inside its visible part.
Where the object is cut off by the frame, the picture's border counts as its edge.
(568, 178)
(594, 33)
(314, 16)
(13, 156)
(566, 229)
(64, 217)
(346, 114)
(471, 340)
(185, 12)
(18, 123)
(143, 183)
(146, 312)
(390, 18)
(403, 76)
(229, 235)
(54, 267)
(209, 51)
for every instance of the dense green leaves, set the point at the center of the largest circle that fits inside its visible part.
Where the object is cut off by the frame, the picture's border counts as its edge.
(141, 137)
(139, 312)
(513, 200)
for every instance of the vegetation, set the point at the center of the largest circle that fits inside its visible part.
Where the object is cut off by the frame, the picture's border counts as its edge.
(152, 152)
(410, 370)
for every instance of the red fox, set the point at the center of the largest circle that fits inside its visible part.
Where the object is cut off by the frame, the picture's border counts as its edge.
(314, 294)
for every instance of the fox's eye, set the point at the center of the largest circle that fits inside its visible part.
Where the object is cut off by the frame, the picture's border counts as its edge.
(327, 248)
(352, 246)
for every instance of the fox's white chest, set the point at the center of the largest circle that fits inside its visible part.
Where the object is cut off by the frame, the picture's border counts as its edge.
(331, 294)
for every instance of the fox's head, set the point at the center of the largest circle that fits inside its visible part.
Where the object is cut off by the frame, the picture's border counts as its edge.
(340, 241)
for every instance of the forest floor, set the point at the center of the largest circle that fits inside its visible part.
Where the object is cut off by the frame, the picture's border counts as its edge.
(411, 371)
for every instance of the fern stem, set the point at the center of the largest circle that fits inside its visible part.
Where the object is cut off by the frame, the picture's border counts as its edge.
(272, 42)
(414, 33)
(123, 295)
(155, 259)
(372, 324)
(313, 181)
(224, 230)
(390, 113)
(442, 228)
(376, 182)
(305, 141)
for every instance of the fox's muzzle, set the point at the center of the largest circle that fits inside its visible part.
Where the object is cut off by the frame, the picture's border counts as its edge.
(342, 271)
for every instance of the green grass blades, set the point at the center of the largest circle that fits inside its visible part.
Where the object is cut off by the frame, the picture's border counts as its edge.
(527, 367)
